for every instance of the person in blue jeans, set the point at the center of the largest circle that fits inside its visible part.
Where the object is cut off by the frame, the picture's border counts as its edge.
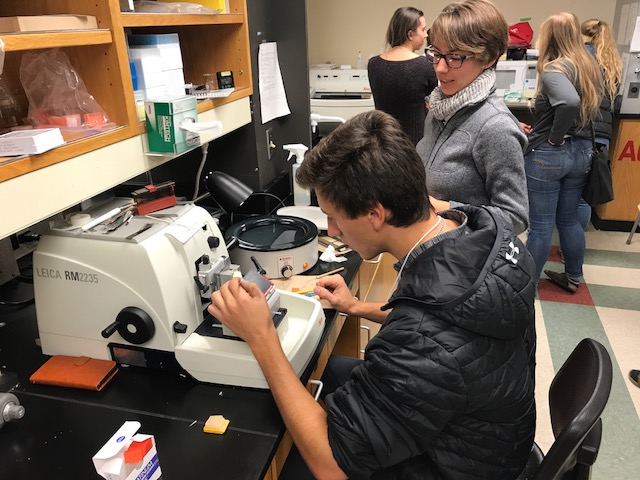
(558, 156)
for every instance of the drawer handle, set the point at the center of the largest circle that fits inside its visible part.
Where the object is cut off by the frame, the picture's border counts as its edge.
(318, 390)
(365, 327)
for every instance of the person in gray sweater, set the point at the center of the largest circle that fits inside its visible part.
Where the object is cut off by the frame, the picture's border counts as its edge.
(472, 148)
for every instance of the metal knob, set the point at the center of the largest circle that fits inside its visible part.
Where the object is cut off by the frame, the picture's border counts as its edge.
(12, 412)
(287, 271)
(10, 408)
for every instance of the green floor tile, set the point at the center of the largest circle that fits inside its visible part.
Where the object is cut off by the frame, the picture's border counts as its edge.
(615, 297)
(608, 258)
(566, 325)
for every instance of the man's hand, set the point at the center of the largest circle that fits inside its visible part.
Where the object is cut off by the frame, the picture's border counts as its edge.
(334, 290)
(242, 307)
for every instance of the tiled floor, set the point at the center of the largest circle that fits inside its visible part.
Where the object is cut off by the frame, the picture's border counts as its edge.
(606, 308)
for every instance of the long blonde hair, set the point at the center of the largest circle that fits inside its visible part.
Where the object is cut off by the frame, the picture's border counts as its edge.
(598, 33)
(562, 50)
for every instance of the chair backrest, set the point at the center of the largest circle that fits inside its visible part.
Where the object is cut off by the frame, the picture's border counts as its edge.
(577, 396)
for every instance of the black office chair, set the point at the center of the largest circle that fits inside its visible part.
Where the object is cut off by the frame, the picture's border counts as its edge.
(577, 396)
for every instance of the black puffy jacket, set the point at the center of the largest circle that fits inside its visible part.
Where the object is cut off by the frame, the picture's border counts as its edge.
(446, 390)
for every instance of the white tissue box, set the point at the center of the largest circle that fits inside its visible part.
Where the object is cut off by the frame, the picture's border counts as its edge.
(128, 456)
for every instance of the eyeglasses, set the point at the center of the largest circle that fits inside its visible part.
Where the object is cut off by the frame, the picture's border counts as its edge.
(453, 60)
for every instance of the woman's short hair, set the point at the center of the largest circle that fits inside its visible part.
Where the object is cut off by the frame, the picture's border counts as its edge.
(474, 26)
(403, 21)
(366, 161)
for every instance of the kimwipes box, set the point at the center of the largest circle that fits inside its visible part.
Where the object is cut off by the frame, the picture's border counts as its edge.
(30, 142)
(128, 456)
(34, 23)
(165, 121)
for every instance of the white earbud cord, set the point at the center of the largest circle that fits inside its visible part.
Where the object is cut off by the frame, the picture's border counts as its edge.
(440, 220)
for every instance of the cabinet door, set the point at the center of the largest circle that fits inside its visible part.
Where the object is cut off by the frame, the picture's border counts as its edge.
(624, 154)
(378, 279)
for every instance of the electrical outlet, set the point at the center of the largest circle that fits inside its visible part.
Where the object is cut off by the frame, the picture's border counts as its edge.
(271, 146)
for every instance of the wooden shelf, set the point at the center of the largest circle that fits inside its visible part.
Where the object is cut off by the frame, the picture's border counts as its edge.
(27, 164)
(14, 42)
(85, 167)
(209, 103)
(174, 19)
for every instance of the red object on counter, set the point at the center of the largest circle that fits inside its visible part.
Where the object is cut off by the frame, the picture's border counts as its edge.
(137, 450)
(155, 205)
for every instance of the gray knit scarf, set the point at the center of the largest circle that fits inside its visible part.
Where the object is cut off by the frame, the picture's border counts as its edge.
(445, 106)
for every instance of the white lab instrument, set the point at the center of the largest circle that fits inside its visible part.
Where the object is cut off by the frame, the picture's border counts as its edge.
(518, 76)
(340, 93)
(630, 88)
(139, 293)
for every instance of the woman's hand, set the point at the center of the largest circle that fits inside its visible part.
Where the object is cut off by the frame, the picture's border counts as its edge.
(526, 128)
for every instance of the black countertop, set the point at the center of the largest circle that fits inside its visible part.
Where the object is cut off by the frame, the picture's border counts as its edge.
(63, 428)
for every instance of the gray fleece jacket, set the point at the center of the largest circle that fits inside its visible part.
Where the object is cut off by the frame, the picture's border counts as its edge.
(476, 158)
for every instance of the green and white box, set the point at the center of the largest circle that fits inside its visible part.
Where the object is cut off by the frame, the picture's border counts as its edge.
(166, 118)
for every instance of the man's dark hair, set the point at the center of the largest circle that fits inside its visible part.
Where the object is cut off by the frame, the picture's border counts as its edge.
(367, 160)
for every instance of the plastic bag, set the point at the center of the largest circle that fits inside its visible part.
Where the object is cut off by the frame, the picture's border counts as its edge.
(8, 104)
(146, 6)
(56, 93)
(520, 35)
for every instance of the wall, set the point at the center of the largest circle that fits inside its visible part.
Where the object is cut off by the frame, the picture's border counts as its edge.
(243, 153)
(338, 29)
(626, 12)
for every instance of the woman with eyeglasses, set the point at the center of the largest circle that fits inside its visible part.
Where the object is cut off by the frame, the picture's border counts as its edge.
(400, 79)
(558, 157)
(472, 147)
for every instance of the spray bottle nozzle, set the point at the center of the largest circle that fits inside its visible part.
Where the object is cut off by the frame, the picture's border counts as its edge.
(296, 149)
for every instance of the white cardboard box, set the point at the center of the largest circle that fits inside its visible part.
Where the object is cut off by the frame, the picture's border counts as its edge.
(110, 459)
(30, 142)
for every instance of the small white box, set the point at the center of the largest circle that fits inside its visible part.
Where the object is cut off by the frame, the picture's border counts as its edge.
(167, 44)
(148, 66)
(110, 460)
(173, 82)
(30, 142)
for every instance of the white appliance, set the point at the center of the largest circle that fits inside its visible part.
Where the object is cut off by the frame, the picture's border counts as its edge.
(630, 88)
(516, 76)
(340, 93)
(138, 294)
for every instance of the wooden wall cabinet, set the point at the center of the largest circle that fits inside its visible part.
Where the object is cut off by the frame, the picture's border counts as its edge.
(209, 43)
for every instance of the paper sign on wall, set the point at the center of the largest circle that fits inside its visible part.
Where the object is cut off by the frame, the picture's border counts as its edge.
(273, 98)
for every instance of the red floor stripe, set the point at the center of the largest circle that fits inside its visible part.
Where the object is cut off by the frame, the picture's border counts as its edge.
(550, 292)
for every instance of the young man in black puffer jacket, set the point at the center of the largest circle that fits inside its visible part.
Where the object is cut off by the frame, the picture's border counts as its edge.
(446, 389)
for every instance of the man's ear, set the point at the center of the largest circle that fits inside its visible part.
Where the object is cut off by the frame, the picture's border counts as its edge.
(377, 216)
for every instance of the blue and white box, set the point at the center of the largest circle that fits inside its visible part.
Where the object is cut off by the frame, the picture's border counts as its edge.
(110, 463)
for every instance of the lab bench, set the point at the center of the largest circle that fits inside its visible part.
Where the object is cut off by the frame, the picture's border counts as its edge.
(63, 428)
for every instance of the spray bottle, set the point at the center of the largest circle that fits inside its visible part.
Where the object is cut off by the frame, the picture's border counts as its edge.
(301, 196)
